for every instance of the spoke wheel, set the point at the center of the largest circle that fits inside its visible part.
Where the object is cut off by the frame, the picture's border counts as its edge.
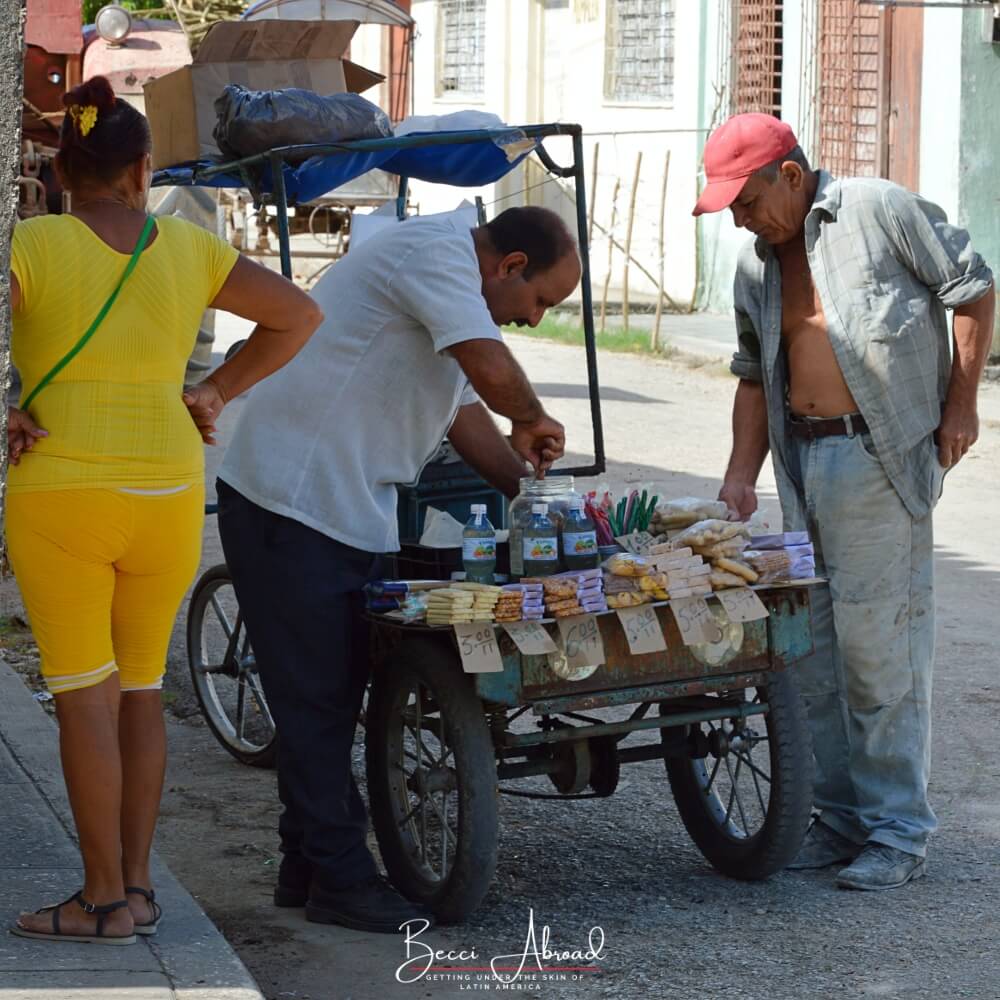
(224, 672)
(432, 779)
(746, 803)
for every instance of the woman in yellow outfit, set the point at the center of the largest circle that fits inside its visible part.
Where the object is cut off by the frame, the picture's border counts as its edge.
(105, 504)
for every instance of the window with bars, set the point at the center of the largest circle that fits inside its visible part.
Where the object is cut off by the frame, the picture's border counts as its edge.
(757, 56)
(849, 93)
(461, 45)
(639, 52)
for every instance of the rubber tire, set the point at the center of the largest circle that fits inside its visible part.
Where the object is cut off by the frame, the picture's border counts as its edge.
(778, 841)
(267, 756)
(437, 667)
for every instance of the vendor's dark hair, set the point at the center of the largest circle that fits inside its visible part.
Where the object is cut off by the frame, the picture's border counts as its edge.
(538, 233)
(96, 150)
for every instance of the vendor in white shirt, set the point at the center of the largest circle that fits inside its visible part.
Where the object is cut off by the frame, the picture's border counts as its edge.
(409, 353)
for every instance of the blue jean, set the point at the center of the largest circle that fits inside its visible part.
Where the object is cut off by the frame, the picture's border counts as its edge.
(867, 685)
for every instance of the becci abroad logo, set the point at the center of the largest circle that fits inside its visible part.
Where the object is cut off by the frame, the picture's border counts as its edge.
(536, 962)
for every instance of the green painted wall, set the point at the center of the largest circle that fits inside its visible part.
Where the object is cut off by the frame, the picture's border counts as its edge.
(979, 181)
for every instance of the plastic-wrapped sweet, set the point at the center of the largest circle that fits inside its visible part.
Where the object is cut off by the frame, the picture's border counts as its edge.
(682, 513)
(709, 532)
(626, 564)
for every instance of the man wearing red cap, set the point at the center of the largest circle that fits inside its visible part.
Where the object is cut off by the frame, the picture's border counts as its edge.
(847, 378)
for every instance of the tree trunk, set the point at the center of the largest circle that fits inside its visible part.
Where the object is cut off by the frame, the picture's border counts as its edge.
(11, 70)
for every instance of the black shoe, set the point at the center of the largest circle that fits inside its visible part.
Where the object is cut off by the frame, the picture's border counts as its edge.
(294, 876)
(372, 905)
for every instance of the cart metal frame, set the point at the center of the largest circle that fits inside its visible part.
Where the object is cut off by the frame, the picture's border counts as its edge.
(248, 171)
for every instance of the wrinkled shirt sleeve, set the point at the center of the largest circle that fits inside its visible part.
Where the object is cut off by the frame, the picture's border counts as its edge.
(746, 361)
(936, 252)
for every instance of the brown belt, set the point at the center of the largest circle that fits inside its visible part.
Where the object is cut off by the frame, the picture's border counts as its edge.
(809, 428)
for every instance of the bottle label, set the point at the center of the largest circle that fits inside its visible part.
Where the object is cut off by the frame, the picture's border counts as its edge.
(479, 549)
(579, 543)
(541, 549)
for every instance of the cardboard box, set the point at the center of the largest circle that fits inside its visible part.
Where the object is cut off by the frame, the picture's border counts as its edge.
(260, 55)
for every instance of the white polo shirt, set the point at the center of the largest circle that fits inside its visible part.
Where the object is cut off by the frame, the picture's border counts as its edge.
(369, 399)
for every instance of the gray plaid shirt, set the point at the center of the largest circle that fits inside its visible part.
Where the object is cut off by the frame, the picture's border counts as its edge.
(886, 265)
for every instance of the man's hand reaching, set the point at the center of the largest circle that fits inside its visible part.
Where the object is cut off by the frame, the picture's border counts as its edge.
(541, 442)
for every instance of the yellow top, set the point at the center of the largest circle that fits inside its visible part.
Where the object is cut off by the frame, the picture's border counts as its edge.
(114, 414)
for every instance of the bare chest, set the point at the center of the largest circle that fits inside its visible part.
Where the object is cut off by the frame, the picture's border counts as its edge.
(800, 301)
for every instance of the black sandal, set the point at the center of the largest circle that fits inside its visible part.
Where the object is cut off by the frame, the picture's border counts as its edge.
(149, 926)
(57, 935)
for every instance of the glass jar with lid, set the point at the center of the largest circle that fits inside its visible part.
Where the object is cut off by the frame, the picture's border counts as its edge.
(556, 491)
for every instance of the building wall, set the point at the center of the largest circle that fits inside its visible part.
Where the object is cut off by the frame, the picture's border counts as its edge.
(941, 99)
(979, 193)
(545, 62)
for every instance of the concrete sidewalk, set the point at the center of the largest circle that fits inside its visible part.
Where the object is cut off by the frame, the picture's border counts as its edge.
(188, 959)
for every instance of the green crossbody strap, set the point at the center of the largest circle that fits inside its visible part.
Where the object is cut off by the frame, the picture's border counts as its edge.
(105, 309)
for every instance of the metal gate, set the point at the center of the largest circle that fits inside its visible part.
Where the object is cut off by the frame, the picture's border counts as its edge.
(849, 122)
(758, 41)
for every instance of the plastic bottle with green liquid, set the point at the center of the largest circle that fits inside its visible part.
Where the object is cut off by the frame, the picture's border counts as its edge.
(579, 539)
(479, 546)
(541, 543)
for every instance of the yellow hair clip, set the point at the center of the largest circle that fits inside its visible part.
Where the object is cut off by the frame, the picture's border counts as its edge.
(84, 117)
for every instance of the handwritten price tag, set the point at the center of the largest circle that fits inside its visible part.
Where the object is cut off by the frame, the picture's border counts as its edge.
(531, 638)
(742, 605)
(581, 641)
(642, 629)
(638, 542)
(477, 645)
(695, 621)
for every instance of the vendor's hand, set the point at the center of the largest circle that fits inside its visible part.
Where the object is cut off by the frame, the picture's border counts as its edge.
(740, 498)
(205, 402)
(541, 442)
(958, 432)
(22, 433)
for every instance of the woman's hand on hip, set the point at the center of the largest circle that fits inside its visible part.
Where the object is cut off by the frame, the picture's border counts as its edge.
(205, 402)
(22, 433)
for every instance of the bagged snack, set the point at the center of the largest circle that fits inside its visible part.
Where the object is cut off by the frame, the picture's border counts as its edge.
(731, 548)
(684, 512)
(560, 605)
(781, 540)
(740, 569)
(559, 587)
(626, 564)
(710, 532)
(628, 599)
(721, 580)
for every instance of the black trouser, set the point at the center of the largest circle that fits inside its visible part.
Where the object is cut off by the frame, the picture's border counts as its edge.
(300, 595)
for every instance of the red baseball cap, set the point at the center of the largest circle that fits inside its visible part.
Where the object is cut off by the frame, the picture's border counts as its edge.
(735, 150)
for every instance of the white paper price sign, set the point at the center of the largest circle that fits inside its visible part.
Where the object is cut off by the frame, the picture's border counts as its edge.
(742, 604)
(642, 629)
(531, 638)
(695, 621)
(477, 645)
(581, 639)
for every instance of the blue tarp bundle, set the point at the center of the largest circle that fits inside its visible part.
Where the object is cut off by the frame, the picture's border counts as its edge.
(482, 160)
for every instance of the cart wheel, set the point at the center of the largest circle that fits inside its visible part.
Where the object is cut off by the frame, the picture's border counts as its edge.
(224, 672)
(432, 779)
(747, 795)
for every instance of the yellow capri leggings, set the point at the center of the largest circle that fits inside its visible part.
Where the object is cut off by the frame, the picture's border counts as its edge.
(102, 573)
